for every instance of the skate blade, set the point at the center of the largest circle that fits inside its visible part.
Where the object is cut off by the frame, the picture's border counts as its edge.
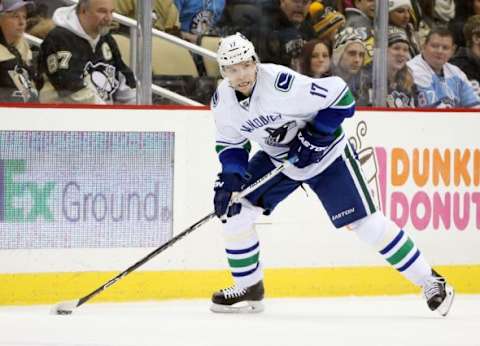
(444, 308)
(247, 307)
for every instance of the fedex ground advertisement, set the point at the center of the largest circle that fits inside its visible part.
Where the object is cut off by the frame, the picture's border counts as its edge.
(85, 189)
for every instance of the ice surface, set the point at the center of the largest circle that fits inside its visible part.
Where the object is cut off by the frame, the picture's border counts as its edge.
(372, 321)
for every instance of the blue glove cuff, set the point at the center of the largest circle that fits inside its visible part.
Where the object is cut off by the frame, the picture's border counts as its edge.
(231, 182)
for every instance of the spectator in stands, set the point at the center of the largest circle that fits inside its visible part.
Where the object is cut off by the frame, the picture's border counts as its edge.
(290, 28)
(199, 17)
(81, 61)
(246, 15)
(165, 11)
(468, 58)
(348, 56)
(463, 10)
(39, 22)
(422, 13)
(399, 17)
(280, 36)
(317, 58)
(17, 78)
(430, 14)
(326, 21)
(48, 7)
(361, 15)
(443, 11)
(401, 87)
(440, 84)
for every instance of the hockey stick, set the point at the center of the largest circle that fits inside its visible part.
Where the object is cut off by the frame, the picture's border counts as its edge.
(67, 307)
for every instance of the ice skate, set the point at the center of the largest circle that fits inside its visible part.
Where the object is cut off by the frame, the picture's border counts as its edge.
(438, 293)
(239, 300)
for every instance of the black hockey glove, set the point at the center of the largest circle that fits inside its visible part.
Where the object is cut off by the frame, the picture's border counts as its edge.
(225, 185)
(308, 146)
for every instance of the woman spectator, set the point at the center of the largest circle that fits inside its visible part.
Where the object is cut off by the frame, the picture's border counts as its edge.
(401, 86)
(399, 17)
(316, 58)
(463, 10)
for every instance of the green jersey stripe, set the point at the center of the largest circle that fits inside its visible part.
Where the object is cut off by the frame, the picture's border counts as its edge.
(346, 101)
(359, 176)
(244, 262)
(401, 253)
(220, 147)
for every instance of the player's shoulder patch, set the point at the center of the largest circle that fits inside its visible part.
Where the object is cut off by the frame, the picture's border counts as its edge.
(284, 81)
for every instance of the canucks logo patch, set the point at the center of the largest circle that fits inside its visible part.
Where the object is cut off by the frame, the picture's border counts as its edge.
(284, 81)
(278, 137)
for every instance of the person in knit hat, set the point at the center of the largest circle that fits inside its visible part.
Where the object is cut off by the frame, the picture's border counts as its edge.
(401, 87)
(360, 17)
(348, 63)
(399, 16)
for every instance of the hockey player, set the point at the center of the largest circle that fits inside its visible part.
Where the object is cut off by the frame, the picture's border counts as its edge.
(291, 115)
(81, 61)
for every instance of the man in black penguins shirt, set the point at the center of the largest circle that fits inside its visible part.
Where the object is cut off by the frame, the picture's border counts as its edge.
(80, 60)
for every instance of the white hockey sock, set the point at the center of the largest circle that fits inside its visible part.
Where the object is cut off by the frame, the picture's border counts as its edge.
(245, 264)
(395, 246)
(402, 253)
(243, 248)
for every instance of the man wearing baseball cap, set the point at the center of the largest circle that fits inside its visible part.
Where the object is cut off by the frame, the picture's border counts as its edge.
(80, 60)
(16, 72)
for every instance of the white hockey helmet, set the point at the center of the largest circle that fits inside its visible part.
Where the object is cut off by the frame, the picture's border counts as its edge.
(234, 49)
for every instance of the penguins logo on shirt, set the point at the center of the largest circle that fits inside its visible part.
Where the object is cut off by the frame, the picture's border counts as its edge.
(202, 22)
(280, 137)
(25, 87)
(103, 78)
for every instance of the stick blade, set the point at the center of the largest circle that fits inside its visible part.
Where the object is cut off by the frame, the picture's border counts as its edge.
(64, 308)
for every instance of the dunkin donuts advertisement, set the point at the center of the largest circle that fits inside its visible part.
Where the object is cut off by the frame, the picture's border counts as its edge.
(424, 172)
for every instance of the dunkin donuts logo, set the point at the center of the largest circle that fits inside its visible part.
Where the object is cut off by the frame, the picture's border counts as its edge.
(428, 187)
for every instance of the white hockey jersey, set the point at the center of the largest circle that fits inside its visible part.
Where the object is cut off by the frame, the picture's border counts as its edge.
(282, 102)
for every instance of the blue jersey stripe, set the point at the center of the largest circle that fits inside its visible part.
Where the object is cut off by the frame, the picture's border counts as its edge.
(410, 262)
(241, 251)
(248, 272)
(393, 243)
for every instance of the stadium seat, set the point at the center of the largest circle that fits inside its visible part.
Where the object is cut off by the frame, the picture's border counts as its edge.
(171, 60)
(211, 66)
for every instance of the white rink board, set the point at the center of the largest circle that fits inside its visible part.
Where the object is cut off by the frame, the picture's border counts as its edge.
(298, 234)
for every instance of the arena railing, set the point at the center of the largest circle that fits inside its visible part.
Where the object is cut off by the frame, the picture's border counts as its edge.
(132, 24)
